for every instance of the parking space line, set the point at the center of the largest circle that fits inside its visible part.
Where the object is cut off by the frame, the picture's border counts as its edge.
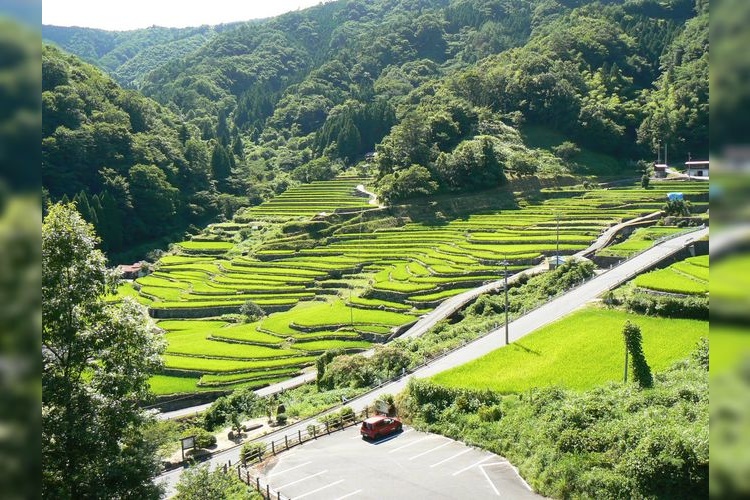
(349, 495)
(289, 469)
(319, 489)
(481, 467)
(451, 458)
(472, 465)
(395, 435)
(409, 444)
(303, 479)
(433, 449)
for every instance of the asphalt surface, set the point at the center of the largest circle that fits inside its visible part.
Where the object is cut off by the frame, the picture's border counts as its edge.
(551, 311)
(409, 464)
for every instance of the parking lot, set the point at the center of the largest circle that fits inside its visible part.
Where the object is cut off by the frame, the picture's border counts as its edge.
(409, 464)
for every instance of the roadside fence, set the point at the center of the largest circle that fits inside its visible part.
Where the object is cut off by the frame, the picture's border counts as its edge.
(264, 450)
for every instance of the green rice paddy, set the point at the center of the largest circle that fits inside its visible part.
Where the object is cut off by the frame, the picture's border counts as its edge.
(354, 280)
(580, 351)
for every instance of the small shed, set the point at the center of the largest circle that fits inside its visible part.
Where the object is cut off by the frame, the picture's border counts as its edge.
(660, 170)
(696, 168)
(555, 261)
(133, 271)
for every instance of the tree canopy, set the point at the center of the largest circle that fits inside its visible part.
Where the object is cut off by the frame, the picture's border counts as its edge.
(96, 362)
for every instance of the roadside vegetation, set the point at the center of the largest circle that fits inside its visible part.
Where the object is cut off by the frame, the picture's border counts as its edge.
(612, 441)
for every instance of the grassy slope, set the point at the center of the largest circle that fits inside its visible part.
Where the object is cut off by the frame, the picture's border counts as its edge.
(578, 352)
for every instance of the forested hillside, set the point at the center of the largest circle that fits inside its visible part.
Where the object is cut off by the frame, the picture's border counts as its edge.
(129, 55)
(136, 171)
(453, 96)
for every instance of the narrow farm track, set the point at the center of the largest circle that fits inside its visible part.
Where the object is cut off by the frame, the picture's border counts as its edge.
(519, 328)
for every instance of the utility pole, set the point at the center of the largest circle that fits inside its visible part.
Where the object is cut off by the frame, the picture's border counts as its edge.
(557, 246)
(505, 263)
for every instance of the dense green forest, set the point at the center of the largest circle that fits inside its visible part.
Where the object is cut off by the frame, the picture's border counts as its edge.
(452, 95)
(130, 55)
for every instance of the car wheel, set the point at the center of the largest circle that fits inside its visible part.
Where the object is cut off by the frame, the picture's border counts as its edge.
(399, 428)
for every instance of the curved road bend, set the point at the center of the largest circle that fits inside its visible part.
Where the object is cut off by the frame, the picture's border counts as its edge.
(446, 308)
(552, 311)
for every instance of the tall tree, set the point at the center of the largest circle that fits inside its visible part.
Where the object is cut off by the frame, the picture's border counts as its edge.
(96, 361)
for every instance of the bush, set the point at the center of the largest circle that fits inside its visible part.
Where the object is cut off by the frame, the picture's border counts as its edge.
(634, 345)
(281, 419)
(347, 413)
(667, 306)
(490, 413)
(251, 451)
(251, 311)
(203, 438)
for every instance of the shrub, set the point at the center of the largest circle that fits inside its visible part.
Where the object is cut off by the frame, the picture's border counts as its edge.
(567, 150)
(347, 413)
(634, 345)
(203, 438)
(281, 419)
(490, 413)
(668, 306)
(252, 450)
(251, 311)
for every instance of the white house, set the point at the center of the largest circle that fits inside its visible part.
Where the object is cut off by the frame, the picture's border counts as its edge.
(697, 168)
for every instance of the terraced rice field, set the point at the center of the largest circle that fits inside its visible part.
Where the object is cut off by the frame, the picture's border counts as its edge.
(349, 280)
(580, 351)
(688, 277)
(640, 240)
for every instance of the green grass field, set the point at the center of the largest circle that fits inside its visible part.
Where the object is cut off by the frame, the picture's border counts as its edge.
(580, 351)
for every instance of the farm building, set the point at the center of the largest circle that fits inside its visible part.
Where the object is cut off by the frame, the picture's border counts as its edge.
(555, 262)
(695, 168)
(133, 271)
(660, 170)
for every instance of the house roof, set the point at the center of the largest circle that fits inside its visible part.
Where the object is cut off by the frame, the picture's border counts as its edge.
(130, 268)
(701, 163)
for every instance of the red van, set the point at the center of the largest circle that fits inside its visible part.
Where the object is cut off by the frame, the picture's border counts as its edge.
(379, 425)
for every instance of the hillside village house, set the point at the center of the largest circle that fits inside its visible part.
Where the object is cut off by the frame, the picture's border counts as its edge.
(133, 271)
(697, 168)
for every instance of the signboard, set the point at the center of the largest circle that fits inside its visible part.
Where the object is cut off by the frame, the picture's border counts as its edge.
(187, 444)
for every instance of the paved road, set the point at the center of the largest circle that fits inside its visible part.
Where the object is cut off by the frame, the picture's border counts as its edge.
(519, 328)
(410, 464)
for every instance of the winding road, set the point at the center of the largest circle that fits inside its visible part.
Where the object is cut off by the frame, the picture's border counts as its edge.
(549, 312)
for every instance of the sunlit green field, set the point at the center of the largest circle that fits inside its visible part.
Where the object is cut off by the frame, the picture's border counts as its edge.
(580, 351)
(354, 277)
(688, 277)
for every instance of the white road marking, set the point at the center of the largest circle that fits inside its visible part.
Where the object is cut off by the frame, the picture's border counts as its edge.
(349, 495)
(319, 489)
(481, 467)
(409, 444)
(472, 465)
(287, 470)
(303, 479)
(451, 458)
(433, 449)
